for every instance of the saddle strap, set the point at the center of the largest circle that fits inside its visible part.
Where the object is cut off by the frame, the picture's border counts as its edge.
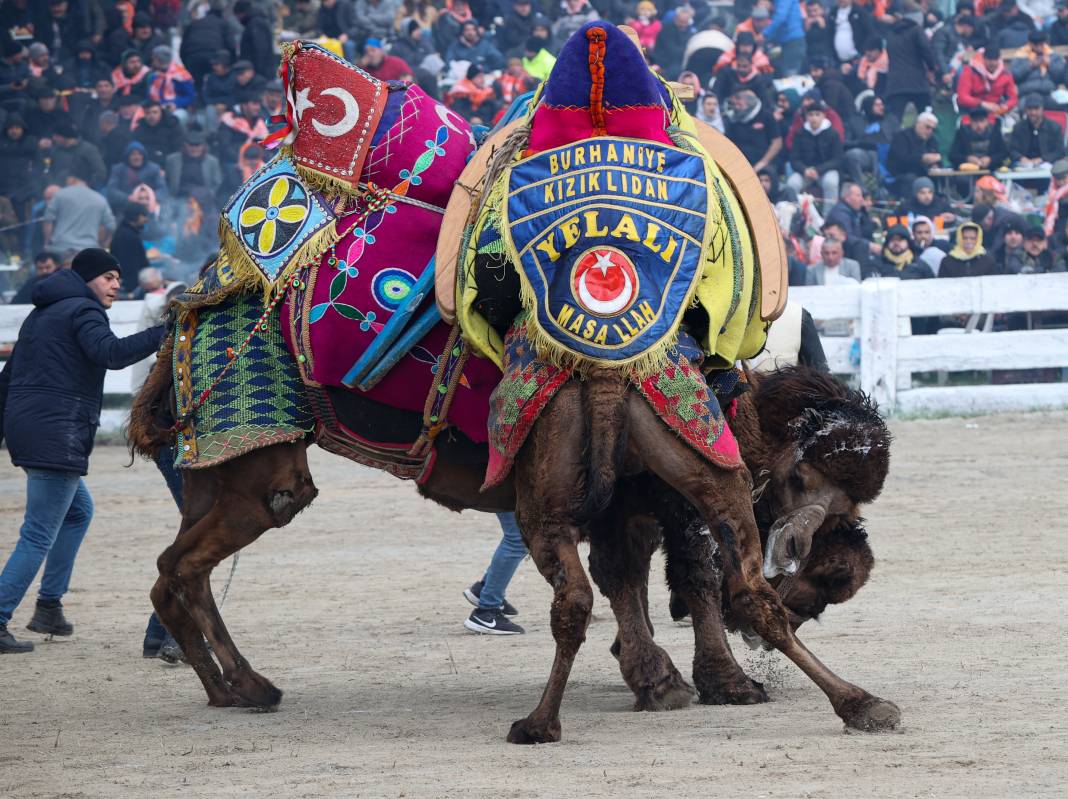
(439, 399)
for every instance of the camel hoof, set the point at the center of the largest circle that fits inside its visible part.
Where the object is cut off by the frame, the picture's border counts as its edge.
(616, 648)
(672, 693)
(749, 692)
(872, 715)
(257, 694)
(528, 731)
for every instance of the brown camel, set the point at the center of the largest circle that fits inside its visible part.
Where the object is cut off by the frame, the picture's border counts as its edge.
(565, 482)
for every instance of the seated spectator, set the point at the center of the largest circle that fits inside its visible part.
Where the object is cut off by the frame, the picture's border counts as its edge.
(1037, 257)
(169, 83)
(144, 39)
(336, 19)
(149, 281)
(573, 15)
(753, 128)
(871, 129)
(873, 66)
(202, 40)
(473, 96)
(381, 65)
(819, 37)
(1035, 140)
(743, 75)
(238, 130)
(1010, 27)
(776, 191)
(931, 250)
(46, 115)
(979, 143)
(375, 18)
(985, 83)
(645, 24)
(116, 39)
(14, 75)
(1058, 30)
(538, 62)
(832, 90)
(513, 82)
(708, 111)
(832, 267)
(77, 217)
(1037, 69)
(116, 129)
(87, 117)
(128, 247)
(40, 64)
(159, 131)
(816, 155)
(813, 95)
(414, 45)
(449, 22)
(472, 48)
(85, 69)
(1008, 258)
(1056, 211)
(913, 152)
(924, 202)
(898, 259)
(745, 43)
(71, 153)
(851, 214)
(135, 171)
(274, 102)
(193, 168)
(512, 34)
(129, 77)
(44, 264)
(671, 42)
(968, 258)
(247, 81)
(219, 87)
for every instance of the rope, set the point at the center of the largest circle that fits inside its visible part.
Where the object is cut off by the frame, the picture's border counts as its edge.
(229, 579)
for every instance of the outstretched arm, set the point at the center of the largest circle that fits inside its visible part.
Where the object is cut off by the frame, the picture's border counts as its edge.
(104, 348)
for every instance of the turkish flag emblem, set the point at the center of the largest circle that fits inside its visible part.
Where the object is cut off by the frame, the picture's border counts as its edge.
(604, 281)
(336, 108)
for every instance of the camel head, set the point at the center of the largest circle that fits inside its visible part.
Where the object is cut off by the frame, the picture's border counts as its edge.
(828, 454)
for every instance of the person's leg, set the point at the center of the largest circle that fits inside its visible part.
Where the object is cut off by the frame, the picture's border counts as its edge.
(857, 162)
(155, 633)
(796, 181)
(793, 54)
(506, 559)
(60, 562)
(48, 498)
(829, 182)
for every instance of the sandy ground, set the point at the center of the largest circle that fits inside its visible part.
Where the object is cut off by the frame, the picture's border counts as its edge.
(355, 610)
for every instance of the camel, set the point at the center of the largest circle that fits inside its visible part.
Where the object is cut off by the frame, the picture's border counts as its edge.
(627, 452)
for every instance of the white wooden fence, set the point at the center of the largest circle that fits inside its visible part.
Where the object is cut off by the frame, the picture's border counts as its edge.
(889, 354)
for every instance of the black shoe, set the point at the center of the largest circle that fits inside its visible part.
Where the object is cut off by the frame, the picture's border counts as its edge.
(472, 594)
(170, 652)
(150, 649)
(491, 622)
(10, 645)
(49, 620)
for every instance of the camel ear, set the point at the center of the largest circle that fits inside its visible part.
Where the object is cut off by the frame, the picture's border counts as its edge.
(806, 424)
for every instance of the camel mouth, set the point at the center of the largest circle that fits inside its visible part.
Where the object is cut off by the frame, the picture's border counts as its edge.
(790, 540)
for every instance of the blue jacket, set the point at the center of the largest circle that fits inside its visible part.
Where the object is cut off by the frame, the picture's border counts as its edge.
(52, 387)
(786, 25)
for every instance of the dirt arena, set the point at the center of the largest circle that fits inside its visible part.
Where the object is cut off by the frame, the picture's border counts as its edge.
(356, 611)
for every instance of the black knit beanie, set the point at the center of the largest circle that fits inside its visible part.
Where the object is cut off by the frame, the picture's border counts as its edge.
(92, 262)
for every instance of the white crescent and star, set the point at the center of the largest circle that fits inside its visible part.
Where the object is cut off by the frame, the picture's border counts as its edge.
(445, 115)
(612, 306)
(348, 121)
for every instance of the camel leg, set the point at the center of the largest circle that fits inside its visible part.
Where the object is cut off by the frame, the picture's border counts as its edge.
(723, 499)
(547, 471)
(620, 549)
(257, 492)
(692, 574)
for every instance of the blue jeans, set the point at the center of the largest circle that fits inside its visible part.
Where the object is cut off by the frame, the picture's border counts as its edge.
(58, 512)
(165, 464)
(506, 559)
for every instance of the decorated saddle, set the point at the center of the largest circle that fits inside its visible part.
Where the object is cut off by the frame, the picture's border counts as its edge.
(326, 256)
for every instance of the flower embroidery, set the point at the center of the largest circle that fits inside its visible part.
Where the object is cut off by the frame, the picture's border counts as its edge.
(269, 225)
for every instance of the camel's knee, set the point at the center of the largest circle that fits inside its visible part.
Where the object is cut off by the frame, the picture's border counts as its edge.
(285, 503)
(760, 606)
(570, 615)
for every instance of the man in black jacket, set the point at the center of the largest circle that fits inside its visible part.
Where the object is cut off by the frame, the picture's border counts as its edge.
(51, 391)
(851, 26)
(160, 131)
(913, 152)
(257, 40)
(128, 247)
(1035, 139)
(816, 155)
(203, 39)
(910, 59)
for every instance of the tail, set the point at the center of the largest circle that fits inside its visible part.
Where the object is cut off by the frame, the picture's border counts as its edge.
(152, 415)
(604, 404)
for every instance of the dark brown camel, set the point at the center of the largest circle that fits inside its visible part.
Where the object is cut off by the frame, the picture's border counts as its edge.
(565, 474)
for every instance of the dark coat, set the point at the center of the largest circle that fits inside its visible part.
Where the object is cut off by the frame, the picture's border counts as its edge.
(906, 153)
(860, 20)
(129, 250)
(82, 156)
(821, 150)
(910, 57)
(257, 45)
(52, 387)
(1048, 136)
(973, 267)
(967, 142)
(161, 140)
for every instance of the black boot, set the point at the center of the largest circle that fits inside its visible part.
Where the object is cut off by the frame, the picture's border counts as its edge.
(10, 645)
(48, 619)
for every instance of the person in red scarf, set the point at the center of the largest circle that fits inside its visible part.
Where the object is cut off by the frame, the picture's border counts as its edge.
(471, 96)
(513, 82)
(986, 83)
(169, 83)
(245, 127)
(130, 75)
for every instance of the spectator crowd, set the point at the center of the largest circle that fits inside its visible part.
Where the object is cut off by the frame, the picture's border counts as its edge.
(876, 127)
